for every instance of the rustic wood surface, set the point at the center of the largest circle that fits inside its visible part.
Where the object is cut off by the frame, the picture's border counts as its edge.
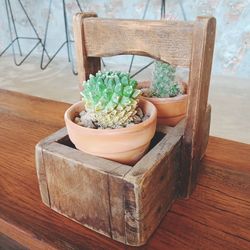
(166, 40)
(198, 87)
(169, 41)
(83, 187)
(7, 243)
(150, 195)
(217, 215)
(85, 65)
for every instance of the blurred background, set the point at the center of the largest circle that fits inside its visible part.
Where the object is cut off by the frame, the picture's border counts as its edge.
(230, 83)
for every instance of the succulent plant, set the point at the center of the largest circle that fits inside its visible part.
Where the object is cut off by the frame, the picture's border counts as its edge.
(111, 98)
(164, 83)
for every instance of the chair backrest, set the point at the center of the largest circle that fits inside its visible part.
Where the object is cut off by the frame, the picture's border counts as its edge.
(176, 42)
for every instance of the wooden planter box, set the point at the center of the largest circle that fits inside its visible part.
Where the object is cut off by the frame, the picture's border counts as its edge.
(125, 203)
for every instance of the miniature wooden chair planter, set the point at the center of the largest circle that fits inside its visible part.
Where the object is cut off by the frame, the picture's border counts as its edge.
(127, 203)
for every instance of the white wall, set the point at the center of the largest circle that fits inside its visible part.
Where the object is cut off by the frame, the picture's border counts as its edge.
(232, 51)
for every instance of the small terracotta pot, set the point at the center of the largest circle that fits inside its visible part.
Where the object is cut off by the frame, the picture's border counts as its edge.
(124, 145)
(169, 110)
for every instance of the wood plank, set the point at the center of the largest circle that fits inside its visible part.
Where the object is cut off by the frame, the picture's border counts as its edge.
(205, 131)
(41, 175)
(11, 103)
(70, 193)
(199, 80)
(169, 41)
(152, 186)
(116, 206)
(7, 243)
(229, 153)
(27, 239)
(182, 232)
(229, 179)
(85, 65)
(162, 149)
(93, 162)
(73, 177)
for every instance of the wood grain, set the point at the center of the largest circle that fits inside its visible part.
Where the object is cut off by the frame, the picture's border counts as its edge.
(199, 80)
(169, 41)
(205, 131)
(85, 65)
(148, 196)
(7, 243)
(83, 187)
(202, 222)
(73, 189)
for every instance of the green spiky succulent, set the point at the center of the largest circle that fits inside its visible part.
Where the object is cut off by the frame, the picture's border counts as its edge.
(164, 83)
(111, 98)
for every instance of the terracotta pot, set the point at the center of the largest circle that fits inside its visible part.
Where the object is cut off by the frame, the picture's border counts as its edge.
(169, 110)
(124, 145)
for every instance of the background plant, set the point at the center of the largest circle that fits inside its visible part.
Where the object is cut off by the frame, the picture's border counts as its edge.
(164, 83)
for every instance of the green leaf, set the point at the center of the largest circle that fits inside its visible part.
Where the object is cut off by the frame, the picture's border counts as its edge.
(128, 91)
(124, 80)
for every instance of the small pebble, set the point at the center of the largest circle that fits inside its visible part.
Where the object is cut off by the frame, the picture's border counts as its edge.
(82, 113)
(146, 92)
(84, 120)
(140, 113)
(130, 125)
(145, 118)
(77, 119)
(137, 119)
(119, 127)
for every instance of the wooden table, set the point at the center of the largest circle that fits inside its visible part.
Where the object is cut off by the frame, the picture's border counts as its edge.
(217, 216)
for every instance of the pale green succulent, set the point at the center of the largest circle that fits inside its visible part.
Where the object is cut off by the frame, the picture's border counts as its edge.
(111, 98)
(164, 83)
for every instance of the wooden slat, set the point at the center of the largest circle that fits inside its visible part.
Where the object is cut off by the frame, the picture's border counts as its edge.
(84, 188)
(41, 175)
(151, 187)
(94, 162)
(117, 208)
(199, 80)
(205, 131)
(68, 184)
(169, 41)
(85, 66)
(40, 166)
(162, 149)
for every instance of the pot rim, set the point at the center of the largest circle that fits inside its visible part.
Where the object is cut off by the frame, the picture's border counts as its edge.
(166, 99)
(152, 118)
